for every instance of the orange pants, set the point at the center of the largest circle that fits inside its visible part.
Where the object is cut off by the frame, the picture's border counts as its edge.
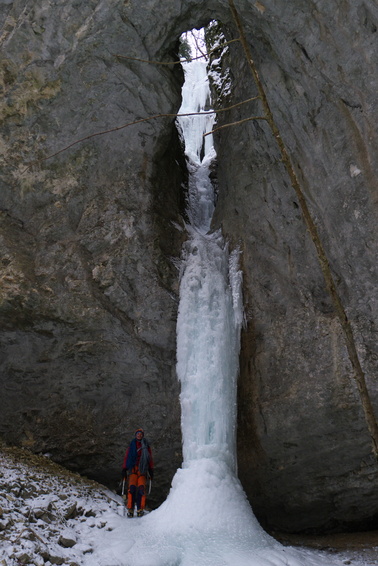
(136, 494)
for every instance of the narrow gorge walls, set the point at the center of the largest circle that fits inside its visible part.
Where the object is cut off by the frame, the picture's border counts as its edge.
(301, 425)
(88, 289)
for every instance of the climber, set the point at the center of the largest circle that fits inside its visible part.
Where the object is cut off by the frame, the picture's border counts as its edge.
(137, 464)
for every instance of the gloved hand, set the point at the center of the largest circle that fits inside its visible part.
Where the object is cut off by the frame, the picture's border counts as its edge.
(124, 473)
(151, 472)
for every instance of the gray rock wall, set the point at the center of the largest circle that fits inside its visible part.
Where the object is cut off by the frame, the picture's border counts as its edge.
(305, 453)
(88, 293)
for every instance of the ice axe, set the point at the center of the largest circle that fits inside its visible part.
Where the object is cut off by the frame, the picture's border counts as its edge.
(149, 485)
(123, 495)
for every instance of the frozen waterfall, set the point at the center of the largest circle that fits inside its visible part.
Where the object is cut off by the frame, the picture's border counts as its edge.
(210, 310)
(206, 519)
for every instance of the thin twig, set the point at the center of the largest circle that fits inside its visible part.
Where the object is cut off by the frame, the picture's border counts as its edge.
(237, 104)
(38, 537)
(174, 62)
(155, 62)
(235, 124)
(198, 47)
(110, 130)
(117, 128)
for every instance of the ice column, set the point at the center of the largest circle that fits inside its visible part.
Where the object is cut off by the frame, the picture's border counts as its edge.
(210, 310)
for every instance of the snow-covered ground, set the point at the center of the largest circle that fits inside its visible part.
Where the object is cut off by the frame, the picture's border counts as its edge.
(51, 516)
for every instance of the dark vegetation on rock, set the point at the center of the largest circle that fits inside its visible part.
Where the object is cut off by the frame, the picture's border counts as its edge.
(89, 286)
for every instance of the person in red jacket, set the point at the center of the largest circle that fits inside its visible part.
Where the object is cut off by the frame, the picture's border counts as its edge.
(137, 464)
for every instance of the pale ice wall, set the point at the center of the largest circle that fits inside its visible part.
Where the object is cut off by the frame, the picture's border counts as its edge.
(208, 327)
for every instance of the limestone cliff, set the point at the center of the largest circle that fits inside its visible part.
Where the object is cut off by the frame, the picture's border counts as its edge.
(88, 287)
(89, 290)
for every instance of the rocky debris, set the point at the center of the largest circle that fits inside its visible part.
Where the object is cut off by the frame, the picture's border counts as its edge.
(99, 514)
(67, 539)
(39, 525)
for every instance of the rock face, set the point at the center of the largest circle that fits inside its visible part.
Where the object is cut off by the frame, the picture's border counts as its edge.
(88, 294)
(89, 290)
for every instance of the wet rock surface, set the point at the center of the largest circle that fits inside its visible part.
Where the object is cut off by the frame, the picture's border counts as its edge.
(351, 546)
(88, 295)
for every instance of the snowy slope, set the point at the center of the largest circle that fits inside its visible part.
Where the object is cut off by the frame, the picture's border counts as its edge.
(51, 516)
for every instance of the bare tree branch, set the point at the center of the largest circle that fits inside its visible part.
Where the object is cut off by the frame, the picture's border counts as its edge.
(198, 46)
(123, 126)
(235, 124)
